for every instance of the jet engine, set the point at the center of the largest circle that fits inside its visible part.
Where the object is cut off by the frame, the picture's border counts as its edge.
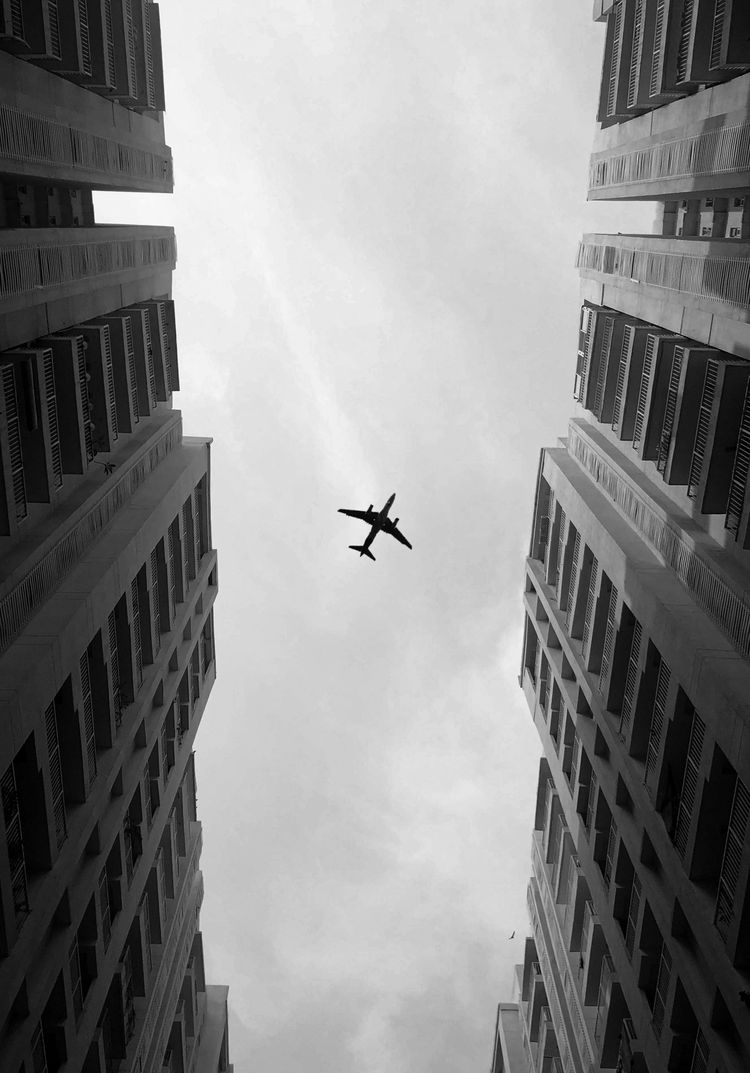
(395, 521)
(370, 507)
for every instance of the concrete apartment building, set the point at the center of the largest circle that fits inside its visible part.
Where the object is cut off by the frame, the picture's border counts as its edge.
(637, 616)
(107, 571)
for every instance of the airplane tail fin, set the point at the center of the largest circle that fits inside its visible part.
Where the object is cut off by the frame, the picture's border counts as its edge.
(362, 551)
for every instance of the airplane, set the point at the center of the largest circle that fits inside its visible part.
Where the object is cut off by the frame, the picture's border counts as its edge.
(379, 520)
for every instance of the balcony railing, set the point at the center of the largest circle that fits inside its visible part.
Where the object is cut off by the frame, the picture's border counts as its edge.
(732, 860)
(634, 909)
(683, 50)
(20, 603)
(17, 490)
(559, 949)
(740, 470)
(658, 1010)
(699, 1061)
(670, 409)
(718, 599)
(590, 920)
(715, 151)
(703, 428)
(699, 274)
(26, 267)
(690, 782)
(609, 637)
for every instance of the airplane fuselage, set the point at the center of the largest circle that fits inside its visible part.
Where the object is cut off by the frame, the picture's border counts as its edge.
(379, 522)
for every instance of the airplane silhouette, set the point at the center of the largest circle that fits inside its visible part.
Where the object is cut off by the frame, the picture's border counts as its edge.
(378, 520)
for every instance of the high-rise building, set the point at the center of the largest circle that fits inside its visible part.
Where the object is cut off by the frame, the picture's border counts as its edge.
(636, 650)
(107, 571)
(511, 1052)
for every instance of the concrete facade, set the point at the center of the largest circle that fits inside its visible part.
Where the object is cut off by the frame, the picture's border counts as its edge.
(107, 571)
(636, 655)
(641, 698)
(512, 1051)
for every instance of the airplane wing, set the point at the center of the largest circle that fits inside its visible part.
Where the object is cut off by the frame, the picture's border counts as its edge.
(399, 536)
(368, 516)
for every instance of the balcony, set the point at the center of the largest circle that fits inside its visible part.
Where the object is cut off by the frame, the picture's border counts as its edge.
(716, 435)
(162, 339)
(611, 1014)
(630, 1056)
(14, 502)
(737, 519)
(173, 958)
(671, 267)
(681, 410)
(122, 356)
(37, 412)
(47, 267)
(632, 356)
(71, 388)
(32, 30)
(101, 383)
(547, 1048)
(593, 949)
(730, 42)
(652, 394)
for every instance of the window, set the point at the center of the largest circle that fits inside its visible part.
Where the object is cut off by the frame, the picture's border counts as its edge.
(14, 838)
(705, 231)
(735, 232)
(76, 985)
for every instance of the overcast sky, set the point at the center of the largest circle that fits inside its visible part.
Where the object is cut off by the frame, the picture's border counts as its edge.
(377, 208)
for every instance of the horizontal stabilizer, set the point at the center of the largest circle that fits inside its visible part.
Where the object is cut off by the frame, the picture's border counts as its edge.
(362, 551)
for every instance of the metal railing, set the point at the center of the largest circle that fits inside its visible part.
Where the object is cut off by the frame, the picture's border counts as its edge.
(17, 607)
(622, 369)
(717, 35)
(635, 54)
(718, 598)
(670, 409)
(657, 56)
(614, 66)
(740, 470)
(689, 790)
(25, 269)
(715, 151)
(683, 51)
(15, 451)
(703, 428)
(643, 390)
(720, 279)
(609, 637)
(731, 864)
(31, 137)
